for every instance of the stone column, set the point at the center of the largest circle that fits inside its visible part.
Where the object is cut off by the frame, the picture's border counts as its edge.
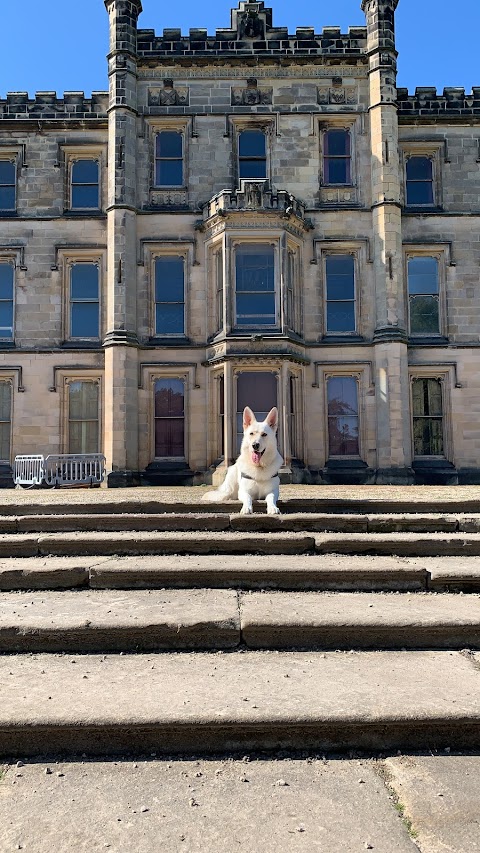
(390, 337)
(121, 343)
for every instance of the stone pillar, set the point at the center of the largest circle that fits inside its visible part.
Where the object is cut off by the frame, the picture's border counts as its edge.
(121, 343)
(390, 337)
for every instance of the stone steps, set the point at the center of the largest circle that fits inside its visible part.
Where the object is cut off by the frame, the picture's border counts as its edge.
(217, 571)
(153, 620)
(238, 701)
(139, 628)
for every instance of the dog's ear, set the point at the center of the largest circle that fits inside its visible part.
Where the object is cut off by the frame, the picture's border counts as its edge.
(272, 418)
(248, 417)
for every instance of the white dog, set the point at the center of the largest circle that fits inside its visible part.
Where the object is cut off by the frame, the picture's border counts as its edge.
(255, 473)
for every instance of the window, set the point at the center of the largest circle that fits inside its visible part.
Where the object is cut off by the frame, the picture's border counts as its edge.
(170, 295)
(337, 157)
(292, 415)
(5, 420)
(252, 154)
(169, 418)
(84, 301)
(255, 303)
(8, 181)
(169, 159)
(340, 293)
(83, 417)
(84, 185)
(6, 301)
(219, 300)
(427, 408)
(343, 423)
(258, 390)
(419, 181)
(221, 414)
(423, 295)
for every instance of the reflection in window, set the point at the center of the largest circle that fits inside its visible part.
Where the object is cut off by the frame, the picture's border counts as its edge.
(337, 157)
(340, 301)
(83, 417)
(169, 295)
(255, 285)
(169, 159)
(252, 154)
(258, 390)
(427, 417)
(169, 418)
(423, 296)
(342, 402)
(85, 185)
(84, 301)
(5, 420)
(419, 183)
(7, 185)
(6, 301)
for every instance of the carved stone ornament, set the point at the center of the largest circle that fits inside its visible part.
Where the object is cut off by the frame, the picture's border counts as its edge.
(168, 96)
(337, 95)
(250, 26)
(251, 96)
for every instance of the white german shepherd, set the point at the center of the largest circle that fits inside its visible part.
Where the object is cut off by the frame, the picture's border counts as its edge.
(255, 473)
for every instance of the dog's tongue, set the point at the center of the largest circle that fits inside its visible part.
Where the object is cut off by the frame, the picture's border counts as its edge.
(256, 457)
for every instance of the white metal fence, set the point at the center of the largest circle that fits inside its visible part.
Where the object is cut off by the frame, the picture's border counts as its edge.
(60, 469)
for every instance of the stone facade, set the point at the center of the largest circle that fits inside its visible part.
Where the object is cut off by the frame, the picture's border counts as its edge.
(249, 217)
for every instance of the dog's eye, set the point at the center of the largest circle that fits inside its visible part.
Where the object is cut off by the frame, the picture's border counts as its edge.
(264, 434)
(252, 433)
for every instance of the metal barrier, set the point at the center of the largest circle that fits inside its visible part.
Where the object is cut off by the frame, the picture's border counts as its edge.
(28, 470)
(60, 469)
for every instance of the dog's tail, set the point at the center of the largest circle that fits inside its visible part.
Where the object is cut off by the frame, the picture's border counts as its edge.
(225, 492)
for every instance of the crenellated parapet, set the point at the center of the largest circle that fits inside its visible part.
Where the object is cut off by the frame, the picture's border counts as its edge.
(251, 32)
(426, 101)
(46, 105)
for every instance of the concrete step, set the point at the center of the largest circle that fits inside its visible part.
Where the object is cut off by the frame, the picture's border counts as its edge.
(97, 543)
(215, 702)
(260, 522)
(151, 620)
(217, 571)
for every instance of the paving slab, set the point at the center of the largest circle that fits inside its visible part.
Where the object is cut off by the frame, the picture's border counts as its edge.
(299, 522)
(401, 544)
(104, 704)
(100, 620)
(46, 572)
(282, 806)
(171, 543)
(407, 522)
(440, 795)
(307, 571)
(455, 573)
(279, 620)
(18, 545)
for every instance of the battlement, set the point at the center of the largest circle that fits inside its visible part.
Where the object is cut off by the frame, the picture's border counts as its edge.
(251, 32)
(428, 102)
(46, 105)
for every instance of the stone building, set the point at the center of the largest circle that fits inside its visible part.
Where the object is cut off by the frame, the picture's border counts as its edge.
(247, 217)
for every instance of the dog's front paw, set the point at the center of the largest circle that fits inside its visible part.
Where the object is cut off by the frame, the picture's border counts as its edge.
(246, 510)
(273, 510)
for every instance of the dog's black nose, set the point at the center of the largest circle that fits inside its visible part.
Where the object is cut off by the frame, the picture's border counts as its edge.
(256, 445)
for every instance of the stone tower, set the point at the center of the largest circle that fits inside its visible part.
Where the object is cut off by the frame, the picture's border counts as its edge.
(121, 405)
(390, 337)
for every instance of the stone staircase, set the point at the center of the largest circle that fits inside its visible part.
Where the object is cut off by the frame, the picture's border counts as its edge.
(140, 626)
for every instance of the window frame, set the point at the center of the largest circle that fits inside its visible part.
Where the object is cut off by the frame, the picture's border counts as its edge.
(348, 158)
(241, 159)
(8, 379)
(442, 256)
(10, 157)
(431, 150)
(157, 159)
(65, 378)
(162, 250)
(165, 371)
(326, 254)
(356, 378)
(72, 163)
(275, 245)
(96, 382)
(11, 261)
(348, 123)
(65, 260)
(446, 375)
(263, 123)
(71, 153)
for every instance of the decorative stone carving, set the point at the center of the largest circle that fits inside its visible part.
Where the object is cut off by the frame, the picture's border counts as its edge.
(169, 198)
(169, 96)
(337, 95)
(250, 25)
(252, 95)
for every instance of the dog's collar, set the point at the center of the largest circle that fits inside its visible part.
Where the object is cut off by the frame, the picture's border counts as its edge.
(248, 477)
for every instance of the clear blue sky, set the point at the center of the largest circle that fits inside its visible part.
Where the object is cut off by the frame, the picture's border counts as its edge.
(61, 44)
